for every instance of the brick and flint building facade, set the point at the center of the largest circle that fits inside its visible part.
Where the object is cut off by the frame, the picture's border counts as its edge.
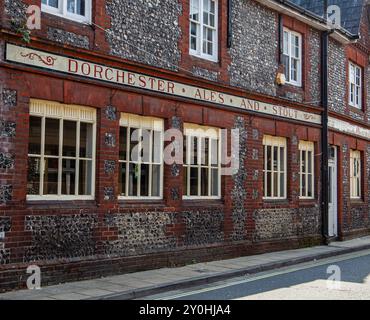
(74, 202)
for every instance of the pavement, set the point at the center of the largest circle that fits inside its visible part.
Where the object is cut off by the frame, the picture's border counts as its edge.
(141, 284)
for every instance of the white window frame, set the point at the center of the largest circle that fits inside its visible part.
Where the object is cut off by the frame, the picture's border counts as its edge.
(192, 130)
(200, 37)
(355, 174)
(355, 86)
(62, 11)
(279, 142)
(307, 147)
(287, 51)
(54, 110)
(131, 121)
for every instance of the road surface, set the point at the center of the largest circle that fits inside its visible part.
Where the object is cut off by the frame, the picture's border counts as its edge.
(342, 277)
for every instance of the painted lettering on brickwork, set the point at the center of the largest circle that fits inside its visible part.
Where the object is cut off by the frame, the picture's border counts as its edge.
(87, 69)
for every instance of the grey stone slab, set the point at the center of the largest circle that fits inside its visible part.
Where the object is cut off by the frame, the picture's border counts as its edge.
(116, 287)
(94, 292)
(87, 285)
(69, 296)
(132, 283)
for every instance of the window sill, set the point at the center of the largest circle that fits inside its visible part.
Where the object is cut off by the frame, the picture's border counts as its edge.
(203, 203)
(61, 204)
(294, 85)
(142, 203)
(85, 21)
(204, 58)
(273, 202)
(357, 202)
(357, 110)
(307, 202)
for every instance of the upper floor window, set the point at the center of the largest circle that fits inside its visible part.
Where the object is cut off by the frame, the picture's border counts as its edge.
(203, 29)
(355, 174)
(61, 152)
(355, 86)
(202, 165)
(292, 57)
(78, 10)
(140, 157)
(306, 169)
(275, 167)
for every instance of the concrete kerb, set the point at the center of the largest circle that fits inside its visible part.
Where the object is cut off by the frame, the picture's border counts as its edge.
(207, 279)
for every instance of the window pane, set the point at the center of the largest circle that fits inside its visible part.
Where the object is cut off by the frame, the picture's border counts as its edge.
(193, 43)
(214, 182)
(51, 3)
(275, 167)
(34, 145)
(294, 69)
(282, 185)
(134, 141)
(122, 179)
(52, 137)
(33, 176)
(309, 161)
(81, 7)
(193, 181)
(157, 145)
(269, 182)
(214, 155)
(85, 177)
(282, 159)
(213, 7)
(194, 10)
(212, 20)
(71, 7)
(205, 18)
(286, 67)
(205, 151)
(269, 157)
(276, 183)
(303, 163)
(310, 186)
(86, 136)
(123, 143)
(303, 185)
(286, 43)
(185, 150)
(144, 180)
(210, 35)
(69, 138)
(156, 180)
(185, 181)
(51, 176)
(204, 182)
(68, 176)
(133, 179)
(145, 145)
(206, 5)
(194, 148)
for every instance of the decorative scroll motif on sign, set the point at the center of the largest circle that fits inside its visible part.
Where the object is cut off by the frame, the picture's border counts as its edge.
(46, 60)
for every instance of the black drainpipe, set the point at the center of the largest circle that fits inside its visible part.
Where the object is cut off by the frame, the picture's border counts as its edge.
(229, 23)
(281, 38)
(324, 137)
